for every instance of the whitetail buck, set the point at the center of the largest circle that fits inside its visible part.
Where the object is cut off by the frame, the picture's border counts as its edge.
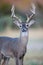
(16, 47)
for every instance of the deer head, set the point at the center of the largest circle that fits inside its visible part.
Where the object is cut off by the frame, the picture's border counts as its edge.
(29, 20)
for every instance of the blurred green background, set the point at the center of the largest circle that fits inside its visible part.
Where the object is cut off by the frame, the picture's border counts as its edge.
(34, 55)
(5, 16)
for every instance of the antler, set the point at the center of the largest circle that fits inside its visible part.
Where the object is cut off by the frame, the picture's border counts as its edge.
(33, 8)
(12, 10)
(33, 13)
(13, 14)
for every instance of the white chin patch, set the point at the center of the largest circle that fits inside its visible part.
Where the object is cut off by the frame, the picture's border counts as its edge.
(24, 33)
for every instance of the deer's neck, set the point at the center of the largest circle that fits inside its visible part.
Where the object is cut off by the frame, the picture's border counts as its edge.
(24, 37)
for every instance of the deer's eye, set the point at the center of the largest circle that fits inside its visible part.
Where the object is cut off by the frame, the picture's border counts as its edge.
(27, 25)
(20, 26)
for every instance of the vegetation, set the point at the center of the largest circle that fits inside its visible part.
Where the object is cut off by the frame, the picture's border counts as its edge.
(5, 9)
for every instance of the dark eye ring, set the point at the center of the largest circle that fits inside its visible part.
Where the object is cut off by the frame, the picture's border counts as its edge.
(27, 25)
(20, 25)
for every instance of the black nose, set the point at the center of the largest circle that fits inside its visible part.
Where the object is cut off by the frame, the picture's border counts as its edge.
(24, 30)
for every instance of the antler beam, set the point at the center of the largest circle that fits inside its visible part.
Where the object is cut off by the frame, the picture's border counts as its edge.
(33, 13)
(13, 14)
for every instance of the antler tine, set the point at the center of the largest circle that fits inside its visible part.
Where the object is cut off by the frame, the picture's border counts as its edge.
(29, 18)
(33, 12)
(13, 14)
(12, 10)
(33, 8)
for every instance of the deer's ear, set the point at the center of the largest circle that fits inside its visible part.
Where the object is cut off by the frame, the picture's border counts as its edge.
(31, 22)
(16, 21)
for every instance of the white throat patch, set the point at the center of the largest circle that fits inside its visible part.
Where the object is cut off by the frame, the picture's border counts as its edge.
(24, 33)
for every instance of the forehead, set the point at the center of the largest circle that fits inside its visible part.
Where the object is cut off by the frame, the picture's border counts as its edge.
(24, 23)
